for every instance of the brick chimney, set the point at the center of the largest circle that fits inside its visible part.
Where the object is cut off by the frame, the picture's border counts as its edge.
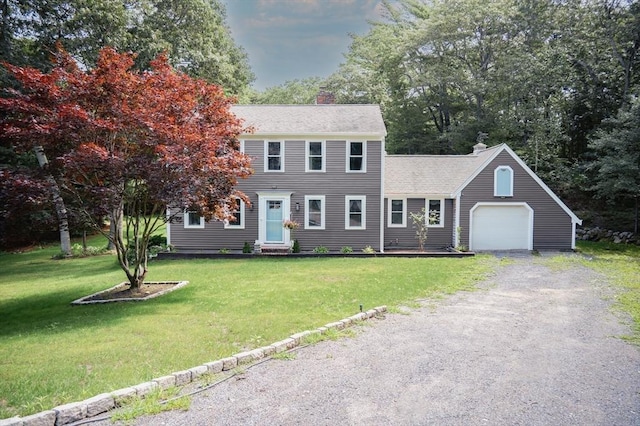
(325, 98)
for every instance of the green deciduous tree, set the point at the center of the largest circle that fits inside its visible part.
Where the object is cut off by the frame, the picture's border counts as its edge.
(194, 33)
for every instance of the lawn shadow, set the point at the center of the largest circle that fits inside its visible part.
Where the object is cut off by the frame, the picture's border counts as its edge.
(52, 312)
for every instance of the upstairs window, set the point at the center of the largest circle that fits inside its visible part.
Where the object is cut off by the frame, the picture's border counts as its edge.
(397, 216)
(356, 157)
(503, 181)
(193, 220)
(238, 215)
(315, 157)
(435, 213)
(274, 156)
(355, 215)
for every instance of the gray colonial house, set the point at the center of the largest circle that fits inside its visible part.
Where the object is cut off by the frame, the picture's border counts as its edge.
(325, 168)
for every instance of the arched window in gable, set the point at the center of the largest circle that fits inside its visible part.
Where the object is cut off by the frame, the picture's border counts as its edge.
(503, 181)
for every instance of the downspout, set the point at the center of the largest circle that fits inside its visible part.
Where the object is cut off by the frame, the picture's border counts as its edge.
(382, 163)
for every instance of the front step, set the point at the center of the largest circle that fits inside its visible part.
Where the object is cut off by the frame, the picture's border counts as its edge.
(273, 250)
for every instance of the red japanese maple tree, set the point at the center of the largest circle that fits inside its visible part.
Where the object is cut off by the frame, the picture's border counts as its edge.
(127, 144)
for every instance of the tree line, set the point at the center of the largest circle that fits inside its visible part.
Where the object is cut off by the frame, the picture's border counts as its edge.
(556, 80)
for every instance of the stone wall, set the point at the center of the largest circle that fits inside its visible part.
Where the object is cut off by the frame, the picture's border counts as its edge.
(601, 234)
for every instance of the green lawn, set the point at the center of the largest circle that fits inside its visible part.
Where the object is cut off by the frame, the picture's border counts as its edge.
(621, 264)
(52, 353)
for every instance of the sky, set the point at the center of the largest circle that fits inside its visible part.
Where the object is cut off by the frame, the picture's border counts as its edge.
(296, 39)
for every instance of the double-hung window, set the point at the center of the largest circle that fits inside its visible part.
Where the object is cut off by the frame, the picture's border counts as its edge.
(315, 156)
(355, 212)
(435, 213)
(356, 157)
(238, 216)
(314, 211)
(193, 220)
(503, 181)
(274, 156)
(397, 213)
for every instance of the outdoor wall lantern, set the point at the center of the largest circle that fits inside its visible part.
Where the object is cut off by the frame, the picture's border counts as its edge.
(297, 207)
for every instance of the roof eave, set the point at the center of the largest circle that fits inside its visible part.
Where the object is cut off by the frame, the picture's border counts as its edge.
(314, 135)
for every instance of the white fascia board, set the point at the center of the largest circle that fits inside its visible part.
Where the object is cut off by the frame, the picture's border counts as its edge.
(432, 196)
(308, 136)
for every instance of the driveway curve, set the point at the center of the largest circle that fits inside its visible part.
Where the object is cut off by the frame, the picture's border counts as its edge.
(534, 346)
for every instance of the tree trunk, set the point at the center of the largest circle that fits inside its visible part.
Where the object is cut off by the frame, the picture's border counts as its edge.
(635, 222)
(58, 202)
(114, 227)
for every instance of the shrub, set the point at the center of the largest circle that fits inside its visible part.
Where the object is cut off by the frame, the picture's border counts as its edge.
(346, 250)
(296, 247)
(321, 250)
(157, 240)
(368, 250)
(246, 248)
(224, 251)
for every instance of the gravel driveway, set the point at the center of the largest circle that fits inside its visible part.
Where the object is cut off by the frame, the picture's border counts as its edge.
(534, 346)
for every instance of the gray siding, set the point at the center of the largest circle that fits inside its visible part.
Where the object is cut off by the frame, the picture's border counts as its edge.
(552, 228)
(405, 238)
(335, 183)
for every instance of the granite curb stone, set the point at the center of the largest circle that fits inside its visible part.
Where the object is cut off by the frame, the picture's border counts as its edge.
(76, 411)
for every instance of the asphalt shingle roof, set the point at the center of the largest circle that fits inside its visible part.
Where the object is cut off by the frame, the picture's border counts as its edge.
(312, 119)
(431, 174)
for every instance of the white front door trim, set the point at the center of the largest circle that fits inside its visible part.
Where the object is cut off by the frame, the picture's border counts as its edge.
(284, 197)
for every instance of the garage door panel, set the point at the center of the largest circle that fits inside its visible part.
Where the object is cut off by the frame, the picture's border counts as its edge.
(500, 227)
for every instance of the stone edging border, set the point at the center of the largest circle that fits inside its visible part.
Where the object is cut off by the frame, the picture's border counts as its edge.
(86, 300)
(76, 411)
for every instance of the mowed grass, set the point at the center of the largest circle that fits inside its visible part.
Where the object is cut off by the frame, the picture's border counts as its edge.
(621, 264)
(53, 353)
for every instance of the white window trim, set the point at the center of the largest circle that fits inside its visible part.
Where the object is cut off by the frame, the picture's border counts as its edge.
(364, 157)
(347, 201)
(266, 156)
(390, 224)
(426, 208)
(307, 157)
(495, 181)
(323, 209)
(232, 225)
(185, 221)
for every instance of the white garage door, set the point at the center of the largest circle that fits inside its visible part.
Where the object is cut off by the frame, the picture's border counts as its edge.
(501, 227)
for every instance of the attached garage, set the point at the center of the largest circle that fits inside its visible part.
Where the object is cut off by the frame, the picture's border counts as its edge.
(501, 226)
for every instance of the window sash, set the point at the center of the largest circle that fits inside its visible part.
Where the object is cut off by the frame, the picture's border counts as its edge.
(314, 212)
(435, 213)
(274, 156)
(397, 213)
(238, 214)
(503, 177)
(356, 157)
(193, 220)
(355, 212)
(315, 156)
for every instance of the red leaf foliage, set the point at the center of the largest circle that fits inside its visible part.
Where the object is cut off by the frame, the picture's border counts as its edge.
(170, 137)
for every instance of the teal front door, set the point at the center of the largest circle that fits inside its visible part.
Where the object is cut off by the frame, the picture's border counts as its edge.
(274, 217)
